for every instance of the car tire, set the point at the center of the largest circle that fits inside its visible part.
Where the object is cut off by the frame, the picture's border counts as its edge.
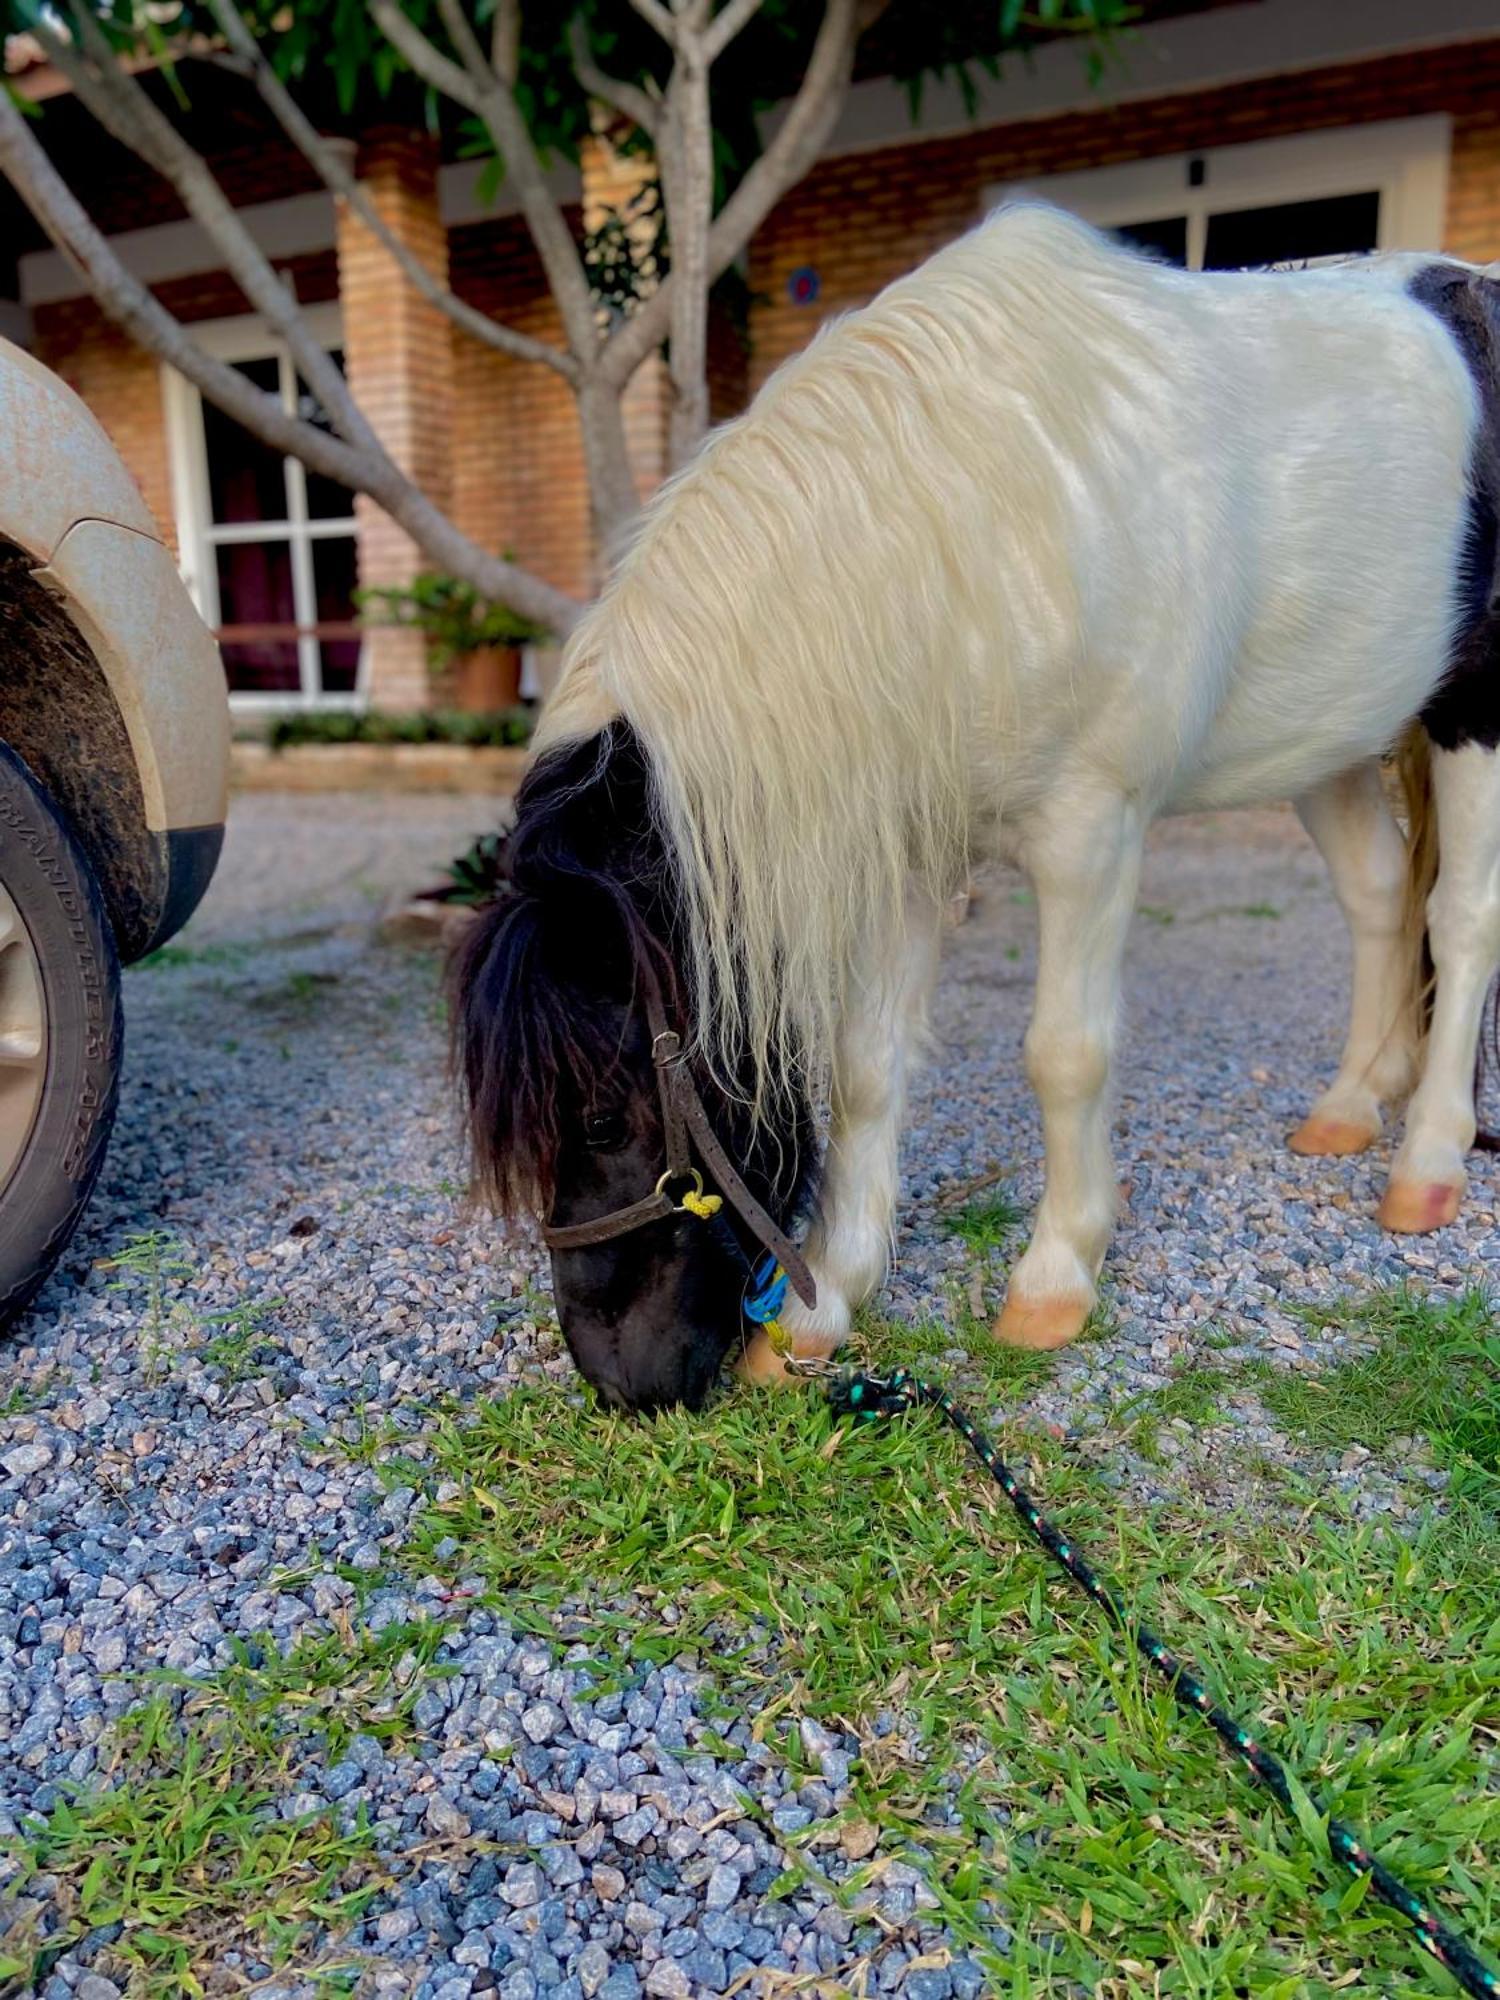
(60, 1034)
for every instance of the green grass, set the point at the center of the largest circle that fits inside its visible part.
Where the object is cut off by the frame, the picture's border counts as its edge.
(243, 1349)
(1192, 1395)
(1034, 1773)
(185, 1851)
(986, 1223)
(184, 1847)
(1428, 1368)
(840, 1571)
(169, 957)
(338, 1684)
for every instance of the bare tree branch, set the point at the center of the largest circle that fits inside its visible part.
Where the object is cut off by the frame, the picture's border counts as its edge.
(627, 98)
(800, 137)
(464, 39)
(505, 42)
(423, 58)
(368, 470)
(734, 18)
(483, 92)
(120, 103)
(656, 16)
(798, 141)
(327, 162)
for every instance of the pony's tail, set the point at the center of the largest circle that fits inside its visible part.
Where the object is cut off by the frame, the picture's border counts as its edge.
(1414, 769)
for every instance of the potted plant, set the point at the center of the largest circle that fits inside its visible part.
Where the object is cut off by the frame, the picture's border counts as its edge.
(474, 648)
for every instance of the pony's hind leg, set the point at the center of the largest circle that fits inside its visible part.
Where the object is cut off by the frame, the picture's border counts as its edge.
(1350, 819)
(848, 1245)
(1084, 862)
(1463, 924)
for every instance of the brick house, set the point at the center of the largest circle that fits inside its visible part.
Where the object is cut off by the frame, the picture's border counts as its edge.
(1232, 134)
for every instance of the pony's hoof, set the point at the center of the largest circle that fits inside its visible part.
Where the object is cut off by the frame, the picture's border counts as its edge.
(1042, 1323)
(1414, 1207)
(761, 1366)
(1332, 1137)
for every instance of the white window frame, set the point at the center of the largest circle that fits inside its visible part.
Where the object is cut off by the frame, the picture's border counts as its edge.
(1404, 160)
(198, 536)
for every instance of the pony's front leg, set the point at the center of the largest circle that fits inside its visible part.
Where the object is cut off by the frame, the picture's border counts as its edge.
(879, 1041)
(1084, 862)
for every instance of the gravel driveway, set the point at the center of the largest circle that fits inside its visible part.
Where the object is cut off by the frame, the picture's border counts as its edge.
(286, 1156)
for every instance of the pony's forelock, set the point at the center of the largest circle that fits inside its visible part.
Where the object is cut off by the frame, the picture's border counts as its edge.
(532, 979)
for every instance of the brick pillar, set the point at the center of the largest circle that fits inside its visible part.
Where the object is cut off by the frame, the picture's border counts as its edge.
(612, 181)
(399, 359)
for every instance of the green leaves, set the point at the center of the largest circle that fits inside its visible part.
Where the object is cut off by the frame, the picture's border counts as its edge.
(449, 613)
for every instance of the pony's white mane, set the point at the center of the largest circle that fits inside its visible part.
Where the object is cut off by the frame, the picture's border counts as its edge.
(815, 631)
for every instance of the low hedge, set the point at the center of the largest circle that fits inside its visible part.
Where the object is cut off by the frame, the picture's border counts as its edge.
(502, 728)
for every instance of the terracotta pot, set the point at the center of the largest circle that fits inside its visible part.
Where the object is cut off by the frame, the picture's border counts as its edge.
(487, 679)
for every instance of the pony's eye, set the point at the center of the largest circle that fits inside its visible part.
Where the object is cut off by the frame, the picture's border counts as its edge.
(604, 1130)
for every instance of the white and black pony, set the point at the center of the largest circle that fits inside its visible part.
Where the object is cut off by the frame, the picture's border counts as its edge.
(1047, 541)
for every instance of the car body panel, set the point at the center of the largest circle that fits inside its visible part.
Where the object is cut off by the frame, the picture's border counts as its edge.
(57, 465)
(88, 541)
(124, 594)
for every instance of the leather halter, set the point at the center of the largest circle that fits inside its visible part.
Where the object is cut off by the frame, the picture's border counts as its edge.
(686, 1126)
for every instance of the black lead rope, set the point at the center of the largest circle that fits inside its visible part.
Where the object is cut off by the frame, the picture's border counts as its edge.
(875, 1396)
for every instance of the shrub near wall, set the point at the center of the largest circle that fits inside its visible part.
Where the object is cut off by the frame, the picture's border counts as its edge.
(505, 728)
(441, 751)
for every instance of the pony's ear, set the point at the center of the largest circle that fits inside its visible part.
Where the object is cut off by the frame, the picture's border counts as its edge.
(585, 812)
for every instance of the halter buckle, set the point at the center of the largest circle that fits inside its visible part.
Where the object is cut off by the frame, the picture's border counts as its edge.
(680, 1174)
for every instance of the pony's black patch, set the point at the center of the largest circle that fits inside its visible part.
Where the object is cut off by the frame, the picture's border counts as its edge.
(554, 1052)
(1466, 707)
(538, 981)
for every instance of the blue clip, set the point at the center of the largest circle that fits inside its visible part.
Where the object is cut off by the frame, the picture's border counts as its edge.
(769, 1296)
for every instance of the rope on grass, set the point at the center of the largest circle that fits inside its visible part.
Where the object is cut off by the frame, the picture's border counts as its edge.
(873, 1397)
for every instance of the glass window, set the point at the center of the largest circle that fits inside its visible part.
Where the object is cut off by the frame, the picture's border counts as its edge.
(246, 479)
(1293, 232)
(326, 499)
(1167, 239)
(334, 581)
(275, 550)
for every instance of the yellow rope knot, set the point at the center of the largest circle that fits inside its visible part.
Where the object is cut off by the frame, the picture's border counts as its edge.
(702, 1205)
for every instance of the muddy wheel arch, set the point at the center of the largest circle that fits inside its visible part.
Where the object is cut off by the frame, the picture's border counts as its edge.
(59, 714)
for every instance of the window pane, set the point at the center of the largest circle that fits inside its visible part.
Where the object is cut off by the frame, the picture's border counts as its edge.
(1167, 239)
(1293, 231)
(334, 577)
(257, 617)
(326, 499)
(246, 480)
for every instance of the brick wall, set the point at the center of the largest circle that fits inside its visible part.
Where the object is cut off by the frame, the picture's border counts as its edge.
(121, 383)
(518, 483)
(510, 464)
(866, 218)
(398, 357)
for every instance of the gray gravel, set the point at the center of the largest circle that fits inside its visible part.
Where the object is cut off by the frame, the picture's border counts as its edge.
(284, 1120)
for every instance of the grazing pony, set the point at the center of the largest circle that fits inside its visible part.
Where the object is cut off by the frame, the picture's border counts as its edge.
(1045, 542)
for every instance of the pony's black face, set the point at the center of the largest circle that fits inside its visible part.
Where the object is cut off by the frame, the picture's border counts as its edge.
(555, 1052)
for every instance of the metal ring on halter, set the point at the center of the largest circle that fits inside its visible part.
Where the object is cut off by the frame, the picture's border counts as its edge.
(681, 1174)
